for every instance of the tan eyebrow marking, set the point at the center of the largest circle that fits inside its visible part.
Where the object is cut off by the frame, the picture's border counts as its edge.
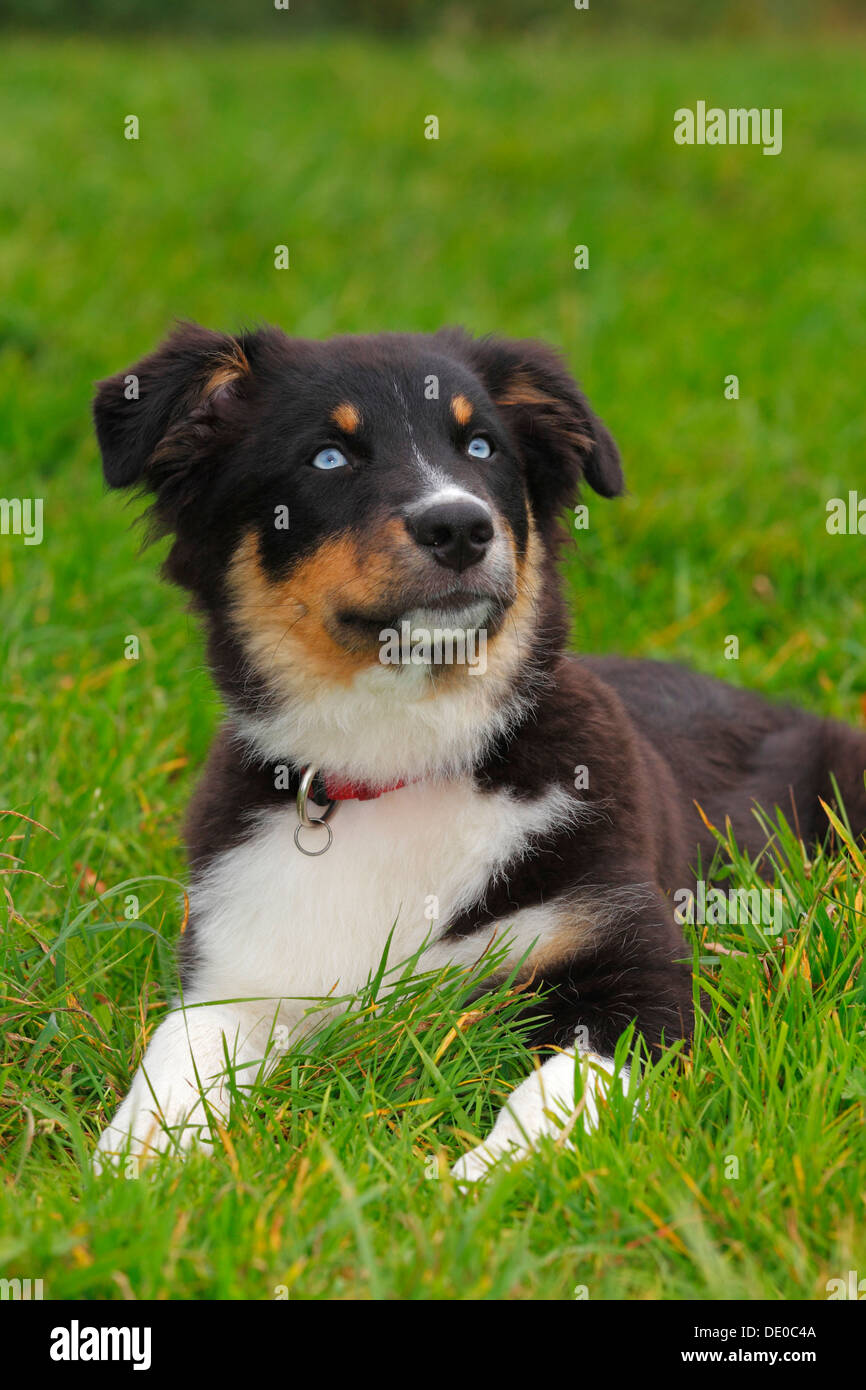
(347, 416)
(461, 409)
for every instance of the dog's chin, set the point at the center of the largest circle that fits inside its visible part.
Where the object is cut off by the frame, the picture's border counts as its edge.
(460, 611)
(474, 616)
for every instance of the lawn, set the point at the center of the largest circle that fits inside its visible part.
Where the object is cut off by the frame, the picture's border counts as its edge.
(742, 1172)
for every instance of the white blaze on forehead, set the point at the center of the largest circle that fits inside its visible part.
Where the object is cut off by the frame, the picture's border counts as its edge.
(413, 444)
(438, 480)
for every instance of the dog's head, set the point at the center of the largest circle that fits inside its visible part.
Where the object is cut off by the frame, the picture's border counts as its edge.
(323, 494)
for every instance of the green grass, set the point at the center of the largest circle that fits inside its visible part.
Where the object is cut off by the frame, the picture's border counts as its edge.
(703, 262)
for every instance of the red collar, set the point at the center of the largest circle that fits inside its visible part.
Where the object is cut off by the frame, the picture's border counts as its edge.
(335, 790)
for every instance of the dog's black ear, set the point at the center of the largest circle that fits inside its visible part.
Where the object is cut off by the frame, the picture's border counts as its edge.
(560, 436)
(161, 417)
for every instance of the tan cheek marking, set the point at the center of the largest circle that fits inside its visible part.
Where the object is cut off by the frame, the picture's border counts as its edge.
(359, 573)
(281, 624)
(507, 646)
(347, 416)
(284, 626)
(461, 409)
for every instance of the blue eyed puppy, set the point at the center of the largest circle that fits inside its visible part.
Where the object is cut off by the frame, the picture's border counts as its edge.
(368, 528)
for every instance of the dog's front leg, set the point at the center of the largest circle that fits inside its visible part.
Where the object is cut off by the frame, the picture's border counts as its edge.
(183, 1077)
(543, 1105)
(640, 974)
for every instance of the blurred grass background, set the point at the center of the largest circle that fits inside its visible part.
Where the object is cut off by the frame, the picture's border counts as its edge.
(207, 18)
(703, 262)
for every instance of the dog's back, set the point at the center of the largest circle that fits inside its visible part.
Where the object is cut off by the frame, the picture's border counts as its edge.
(731, 750)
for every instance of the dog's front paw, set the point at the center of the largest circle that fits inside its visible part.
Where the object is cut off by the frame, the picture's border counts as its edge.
(532, 1110)
(180, 1086)
(543, 1105)
(167, 1117)
(475, 1165)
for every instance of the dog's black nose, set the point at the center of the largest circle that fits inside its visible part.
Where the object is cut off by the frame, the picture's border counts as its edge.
(458, 533)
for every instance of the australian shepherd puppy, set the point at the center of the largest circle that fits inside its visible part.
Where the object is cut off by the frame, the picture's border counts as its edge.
(368, 527)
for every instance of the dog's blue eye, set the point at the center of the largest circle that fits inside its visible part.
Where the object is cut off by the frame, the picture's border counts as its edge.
(479, 447)
(330, 458)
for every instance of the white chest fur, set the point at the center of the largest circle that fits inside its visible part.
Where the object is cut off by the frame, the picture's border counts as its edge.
(280, 930)
(273, 923)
